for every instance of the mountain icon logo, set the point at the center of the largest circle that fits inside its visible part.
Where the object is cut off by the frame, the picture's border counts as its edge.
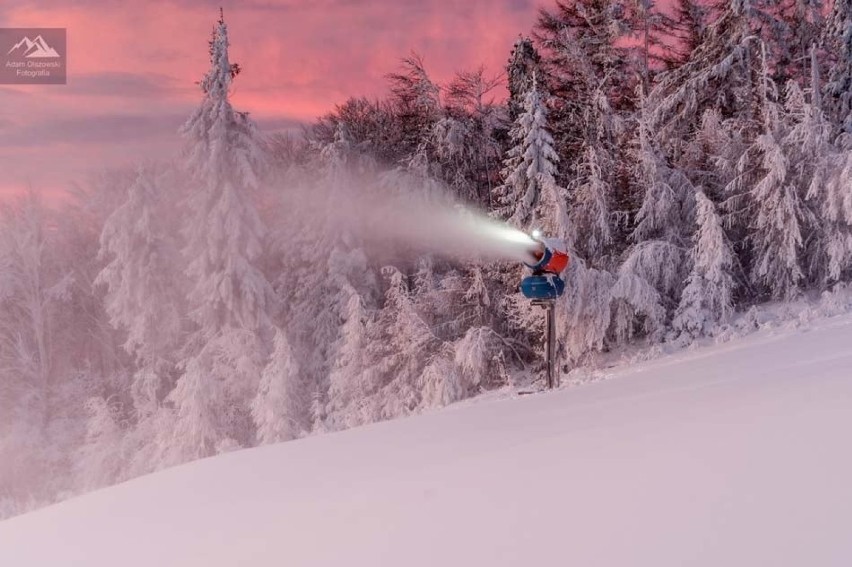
(33, 48)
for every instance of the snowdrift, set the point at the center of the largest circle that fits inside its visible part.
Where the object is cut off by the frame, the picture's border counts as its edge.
(736, 454)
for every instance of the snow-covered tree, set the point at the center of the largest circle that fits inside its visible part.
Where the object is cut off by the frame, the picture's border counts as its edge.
(195, 431)
(708, 296)
(776, 231)
(225, 159)
(719, 75)
(584, 313)
(347, 372)
(581, 47)
(530, 197)
(524, 65)
(635, 301)
(29, 400)
(809, 152)
(280, 407)
(142, 288)
(590, 82)
(230, 298)
(835, 211)
(664, 188)
(590, 220)
(401, 344)
(660, 230)
(480, 363)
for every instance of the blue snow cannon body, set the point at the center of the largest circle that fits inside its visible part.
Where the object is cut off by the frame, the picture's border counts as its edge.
(548, 286)
(548, 260)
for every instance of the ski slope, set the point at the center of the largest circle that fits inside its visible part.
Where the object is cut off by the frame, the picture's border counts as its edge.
(735, 454)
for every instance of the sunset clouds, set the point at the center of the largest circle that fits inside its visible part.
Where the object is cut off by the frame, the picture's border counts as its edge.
(133, 67)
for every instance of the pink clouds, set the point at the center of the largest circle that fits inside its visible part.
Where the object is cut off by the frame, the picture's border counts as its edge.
(132, 68)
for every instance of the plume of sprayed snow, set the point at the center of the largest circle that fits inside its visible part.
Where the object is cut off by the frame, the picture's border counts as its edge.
(449, 230)
(401, 216)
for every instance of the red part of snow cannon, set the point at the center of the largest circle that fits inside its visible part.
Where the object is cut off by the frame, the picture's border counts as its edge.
(548, 257)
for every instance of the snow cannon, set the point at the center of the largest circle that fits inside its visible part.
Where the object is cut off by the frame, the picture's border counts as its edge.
(548, 260)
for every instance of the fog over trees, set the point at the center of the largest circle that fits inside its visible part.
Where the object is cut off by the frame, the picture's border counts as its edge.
(696, 162)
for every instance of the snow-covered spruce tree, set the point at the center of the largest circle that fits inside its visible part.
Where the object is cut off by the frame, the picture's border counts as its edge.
(838, 89)
(480, 363)
(457, 305)
(302, 238)
(776, 229)
(230, 297)
(590, 82)
(708, 296)
(529, 196)
(350, 284)
(828, 166)
(524, 65)
(720, 75)
(650, 276)
(226, 159)
(810, 153)
(584, 313)
(660, 232)
(346, 375)
(582, 52)
(280, 407)
(142, 287)
(661, 215)
(635, 302)
(399, 348)
(726, 80)
(831, 195)
(590, 216)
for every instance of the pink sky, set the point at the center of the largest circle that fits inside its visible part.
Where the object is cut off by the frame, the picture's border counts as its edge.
(132, 68)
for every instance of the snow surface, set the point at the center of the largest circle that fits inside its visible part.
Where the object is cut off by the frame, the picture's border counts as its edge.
(736, 454)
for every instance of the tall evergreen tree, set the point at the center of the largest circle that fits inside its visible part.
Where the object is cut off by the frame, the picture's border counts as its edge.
(230, 298)
(225, 159)
(530, 197)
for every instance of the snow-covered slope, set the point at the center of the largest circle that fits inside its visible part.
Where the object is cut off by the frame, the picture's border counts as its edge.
(737, 454)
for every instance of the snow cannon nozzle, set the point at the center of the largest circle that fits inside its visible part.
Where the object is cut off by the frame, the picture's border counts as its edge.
(547, 255)
(548, 259)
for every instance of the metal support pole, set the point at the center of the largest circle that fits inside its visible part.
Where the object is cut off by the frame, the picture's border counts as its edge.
(551, 344)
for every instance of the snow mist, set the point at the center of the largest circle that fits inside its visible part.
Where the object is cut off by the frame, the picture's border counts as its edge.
(405, 218)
